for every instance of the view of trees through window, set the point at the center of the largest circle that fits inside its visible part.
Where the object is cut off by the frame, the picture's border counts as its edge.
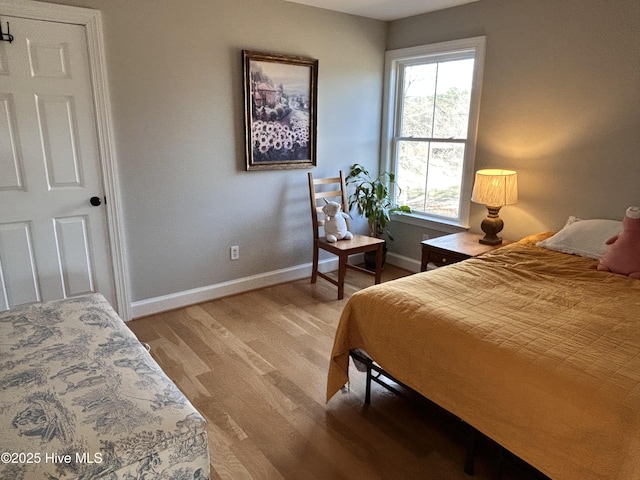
(431, 134)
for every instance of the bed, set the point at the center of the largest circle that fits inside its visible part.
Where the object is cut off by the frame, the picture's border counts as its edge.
(532, 347)
(81, 398)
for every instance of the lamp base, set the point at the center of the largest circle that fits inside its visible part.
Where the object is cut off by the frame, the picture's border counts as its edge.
(490, 241)
(491, 226)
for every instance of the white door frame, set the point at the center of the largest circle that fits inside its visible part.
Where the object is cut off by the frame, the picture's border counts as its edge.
(92, 21)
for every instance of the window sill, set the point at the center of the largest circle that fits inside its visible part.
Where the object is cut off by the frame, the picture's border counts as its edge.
(432, 223)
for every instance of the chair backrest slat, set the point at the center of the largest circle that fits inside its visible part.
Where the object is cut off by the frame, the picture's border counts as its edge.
(319, 192)
(332, 194)
(323, 181)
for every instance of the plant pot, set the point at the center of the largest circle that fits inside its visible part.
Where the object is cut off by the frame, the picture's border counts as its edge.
(370, 258)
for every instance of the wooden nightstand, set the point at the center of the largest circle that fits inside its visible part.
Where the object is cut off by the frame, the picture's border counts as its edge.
(454, 248)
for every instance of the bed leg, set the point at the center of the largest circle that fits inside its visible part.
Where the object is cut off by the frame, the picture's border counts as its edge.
(471, 452)
(497, 473)
(367, 395)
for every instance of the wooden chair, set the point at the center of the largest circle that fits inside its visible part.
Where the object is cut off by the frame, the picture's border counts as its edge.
(334, 189)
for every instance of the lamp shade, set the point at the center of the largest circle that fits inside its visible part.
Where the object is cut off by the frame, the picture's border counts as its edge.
(495, 187)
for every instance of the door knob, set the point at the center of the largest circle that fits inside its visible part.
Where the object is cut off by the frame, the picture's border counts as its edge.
(95, 201)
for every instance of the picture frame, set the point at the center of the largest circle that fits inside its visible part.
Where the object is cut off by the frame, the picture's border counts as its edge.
(280, 98)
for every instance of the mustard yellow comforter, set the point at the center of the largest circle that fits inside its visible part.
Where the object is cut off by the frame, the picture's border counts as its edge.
(534, 348)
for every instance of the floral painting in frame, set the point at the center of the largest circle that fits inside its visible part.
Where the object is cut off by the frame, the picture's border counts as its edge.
(280, 96)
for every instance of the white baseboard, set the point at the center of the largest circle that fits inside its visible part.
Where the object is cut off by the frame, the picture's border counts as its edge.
(401, 261)
(172, 301)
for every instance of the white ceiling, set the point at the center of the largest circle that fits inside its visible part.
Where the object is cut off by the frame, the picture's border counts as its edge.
(383, 9)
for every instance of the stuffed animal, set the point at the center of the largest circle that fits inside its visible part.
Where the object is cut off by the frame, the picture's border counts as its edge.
(623, 255)
(335, 225)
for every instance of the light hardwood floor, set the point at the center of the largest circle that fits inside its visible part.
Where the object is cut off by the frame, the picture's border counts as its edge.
(255, 366)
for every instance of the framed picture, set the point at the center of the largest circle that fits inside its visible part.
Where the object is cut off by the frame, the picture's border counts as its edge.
(280, 97)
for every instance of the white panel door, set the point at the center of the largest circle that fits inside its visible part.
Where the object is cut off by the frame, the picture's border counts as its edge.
(53, 242)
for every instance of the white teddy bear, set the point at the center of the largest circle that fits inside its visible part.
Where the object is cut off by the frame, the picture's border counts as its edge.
(335, 225)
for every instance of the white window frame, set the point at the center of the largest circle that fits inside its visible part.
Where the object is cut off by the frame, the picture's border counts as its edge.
(395, 61)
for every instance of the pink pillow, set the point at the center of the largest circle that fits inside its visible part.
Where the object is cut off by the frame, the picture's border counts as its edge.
(623, 255)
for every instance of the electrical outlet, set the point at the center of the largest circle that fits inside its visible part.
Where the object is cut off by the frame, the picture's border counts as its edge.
(235, 252)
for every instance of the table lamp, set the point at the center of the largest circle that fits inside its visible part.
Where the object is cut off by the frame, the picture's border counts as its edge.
(494, 188)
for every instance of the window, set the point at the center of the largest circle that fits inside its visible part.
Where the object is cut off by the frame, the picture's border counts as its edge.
(431, 111)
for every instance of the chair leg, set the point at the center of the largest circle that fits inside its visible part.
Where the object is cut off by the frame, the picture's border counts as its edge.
(314, 268)
(342, 272)
(379, 253)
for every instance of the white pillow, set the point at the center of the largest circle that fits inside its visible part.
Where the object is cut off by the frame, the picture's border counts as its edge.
(583, 237)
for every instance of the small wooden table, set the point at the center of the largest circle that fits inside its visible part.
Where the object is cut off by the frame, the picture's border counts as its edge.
(454, 248)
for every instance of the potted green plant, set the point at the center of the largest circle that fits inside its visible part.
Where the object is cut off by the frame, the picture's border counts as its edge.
(373, 200)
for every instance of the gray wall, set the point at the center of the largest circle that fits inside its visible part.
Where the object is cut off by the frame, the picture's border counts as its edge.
(175, 75)
(560, 104)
